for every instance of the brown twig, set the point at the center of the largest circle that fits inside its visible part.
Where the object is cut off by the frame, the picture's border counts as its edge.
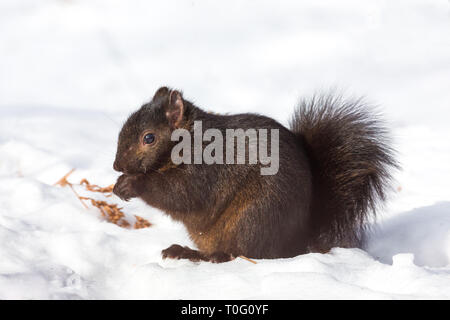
(63, 181)
(95, 188)
(78, 196)
(141, 223)
(110, 211)
(248, 259)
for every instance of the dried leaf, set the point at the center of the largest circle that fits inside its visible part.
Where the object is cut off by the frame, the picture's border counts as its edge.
(110, 211)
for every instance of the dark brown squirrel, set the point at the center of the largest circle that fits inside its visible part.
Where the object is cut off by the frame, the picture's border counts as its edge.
(334, 171)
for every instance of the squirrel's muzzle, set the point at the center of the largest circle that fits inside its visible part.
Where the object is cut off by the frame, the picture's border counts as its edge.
(117, 166)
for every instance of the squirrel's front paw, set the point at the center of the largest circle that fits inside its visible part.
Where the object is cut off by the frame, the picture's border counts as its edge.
(127, 187)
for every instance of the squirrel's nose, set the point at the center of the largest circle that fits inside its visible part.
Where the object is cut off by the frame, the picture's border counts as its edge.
(117, 167)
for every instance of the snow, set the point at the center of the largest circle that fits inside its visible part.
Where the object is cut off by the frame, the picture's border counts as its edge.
(71, 72)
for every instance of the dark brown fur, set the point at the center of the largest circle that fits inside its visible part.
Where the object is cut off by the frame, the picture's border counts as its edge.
(333, 170)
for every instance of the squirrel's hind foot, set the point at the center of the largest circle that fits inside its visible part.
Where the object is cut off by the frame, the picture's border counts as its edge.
(176, 251)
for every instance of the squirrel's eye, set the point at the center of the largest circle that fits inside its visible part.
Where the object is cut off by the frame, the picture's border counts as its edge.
(149, 138)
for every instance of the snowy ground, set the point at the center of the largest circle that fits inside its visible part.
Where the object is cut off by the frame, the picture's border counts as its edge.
(71, 71)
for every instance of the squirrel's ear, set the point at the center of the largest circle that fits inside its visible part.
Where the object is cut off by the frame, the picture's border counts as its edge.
(163, 91)
(175, 109)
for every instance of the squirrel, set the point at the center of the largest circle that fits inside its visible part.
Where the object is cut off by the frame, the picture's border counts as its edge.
(334, 170)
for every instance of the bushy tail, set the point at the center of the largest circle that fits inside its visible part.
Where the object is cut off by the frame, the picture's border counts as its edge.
(351, 161)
